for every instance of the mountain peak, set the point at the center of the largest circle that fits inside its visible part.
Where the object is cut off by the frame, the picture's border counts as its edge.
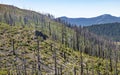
(106, 15)
(102, 19)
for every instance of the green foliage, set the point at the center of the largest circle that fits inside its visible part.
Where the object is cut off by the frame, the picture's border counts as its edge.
(21, 28)
(69, 61)
(110, 30)
(3, 72)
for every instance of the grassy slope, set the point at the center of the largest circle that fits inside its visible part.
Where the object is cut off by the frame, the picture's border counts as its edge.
(25, 43)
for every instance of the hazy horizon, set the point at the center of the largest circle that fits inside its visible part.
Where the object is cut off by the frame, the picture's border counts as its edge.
(69, 8)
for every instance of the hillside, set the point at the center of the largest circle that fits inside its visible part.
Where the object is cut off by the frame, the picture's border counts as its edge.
(110, 30)
(106, 18)
(16, 16)
(26, 53)
(34, 44)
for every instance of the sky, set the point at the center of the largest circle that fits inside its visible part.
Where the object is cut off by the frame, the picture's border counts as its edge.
(69, 8)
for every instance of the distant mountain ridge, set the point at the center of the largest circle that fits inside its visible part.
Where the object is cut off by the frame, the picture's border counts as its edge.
(102, 19)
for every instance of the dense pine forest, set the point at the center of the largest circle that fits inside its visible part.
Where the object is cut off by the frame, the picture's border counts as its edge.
(33, 43)
(109, 30)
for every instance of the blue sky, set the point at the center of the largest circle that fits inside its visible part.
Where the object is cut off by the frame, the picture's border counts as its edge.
(69, 8)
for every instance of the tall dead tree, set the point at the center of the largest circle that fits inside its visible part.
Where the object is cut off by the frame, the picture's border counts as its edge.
(38, 57)
(49, 28)
(24, 64)
(64, 38)
(55, 60)
(75, 71)
(61, 70)
(110, 59)
(54, 53)
(116, 61)
(81, 54)
(81, 63)
(14, 54)
(37, 39)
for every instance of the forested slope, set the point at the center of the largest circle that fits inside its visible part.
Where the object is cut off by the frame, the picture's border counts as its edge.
(20, 52)
(110, 30)
(39, 45)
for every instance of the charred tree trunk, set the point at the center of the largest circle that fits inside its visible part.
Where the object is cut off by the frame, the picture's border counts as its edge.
(24, 67)
(116, 62)
(75, 71)
(38, 57)
(15, 57)
(55, 61)
(81, 63)
(49, 29)
(61, 70)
